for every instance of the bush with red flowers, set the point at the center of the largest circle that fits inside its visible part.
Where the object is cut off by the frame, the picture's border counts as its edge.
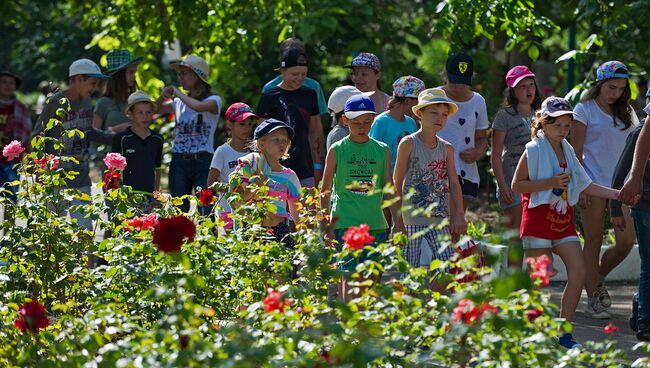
(539, 268)
(468, 312)
(356, 237)
(112, 180)
(206, 197)
(275, 301)
(169, 233)
(32, 317)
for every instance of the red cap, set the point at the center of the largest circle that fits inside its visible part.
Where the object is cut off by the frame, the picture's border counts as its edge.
(239, 111)
(517, 74)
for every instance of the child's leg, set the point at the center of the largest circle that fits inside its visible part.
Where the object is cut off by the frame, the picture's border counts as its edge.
(513, 221)
(593, 222)
(613, 256)
(441, 248)
(571, 255)
(413, 249)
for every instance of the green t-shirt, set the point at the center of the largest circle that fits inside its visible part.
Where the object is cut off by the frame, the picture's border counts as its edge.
(364, 163)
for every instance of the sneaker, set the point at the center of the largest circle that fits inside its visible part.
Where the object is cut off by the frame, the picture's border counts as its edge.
(596, 310)
(643, 335)
(634, 318)
(602, 295)
(568, 342)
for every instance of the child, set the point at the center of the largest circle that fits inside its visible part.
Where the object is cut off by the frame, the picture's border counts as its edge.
(467, 132)
(551, 179)
(84, 76)
(641, 217)
(239, 122)
(141, 147)
(603, 120)
(510, 133)
(366, 76)
(335, 105)
(196, 116)
(15, 124)
(425, 163)
(357, 158)
(271, 140)
(396, 123)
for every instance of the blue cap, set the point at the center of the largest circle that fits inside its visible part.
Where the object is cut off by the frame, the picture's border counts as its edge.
(358, 105)
(270, 125)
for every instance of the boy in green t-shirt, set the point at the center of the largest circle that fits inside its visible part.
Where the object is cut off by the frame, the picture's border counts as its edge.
(356, 170)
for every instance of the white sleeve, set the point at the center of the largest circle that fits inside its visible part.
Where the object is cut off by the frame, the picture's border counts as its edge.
(216, 99)
(217, 159)
(580, 114)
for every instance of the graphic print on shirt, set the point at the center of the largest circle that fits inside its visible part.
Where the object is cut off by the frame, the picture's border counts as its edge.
(192, 134)
(361, 171)
(75, 145)
(432, 186)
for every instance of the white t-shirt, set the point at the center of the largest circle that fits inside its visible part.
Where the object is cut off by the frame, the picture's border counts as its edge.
(194, 131)
(225, 160)
(460, 131)
(604, 142)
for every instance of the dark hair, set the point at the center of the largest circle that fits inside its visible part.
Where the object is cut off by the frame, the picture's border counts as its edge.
(621, 107)
(291, 43)
(117, 87)
(395, 101)
(538, 123)
(511, 101)
(204, 91)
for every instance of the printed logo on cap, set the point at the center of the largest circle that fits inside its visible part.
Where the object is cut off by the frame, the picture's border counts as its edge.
(462, 67)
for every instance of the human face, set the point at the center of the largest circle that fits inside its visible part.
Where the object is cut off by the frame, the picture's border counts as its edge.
(525, 92)
(365, 78)
(611, 90)
(275, 144)
(85, 86)
(7, 86)
(434, 116)
(241, 130)
(130, 74)
(140, 114)
(187, 78)
(558, 130)
(360, 127)
(457, 91)
(293, 77)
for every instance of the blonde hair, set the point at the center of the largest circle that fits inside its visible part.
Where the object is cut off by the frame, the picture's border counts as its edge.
(253, 146)
(539, 122)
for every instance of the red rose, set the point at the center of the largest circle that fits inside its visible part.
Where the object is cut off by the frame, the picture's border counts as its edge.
(144, 222)
(610, 328)
(468, 312)
(275, 301)
(356, 237)
(31, 317)
(47, 160)
(206, 197)
(112, 180)
(539, 268)
(533, 314)
(169, 233)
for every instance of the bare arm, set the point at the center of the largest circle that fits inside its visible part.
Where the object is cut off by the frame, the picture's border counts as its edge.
(496, 159)
(578, 131)
(521, 183)
(196, 105)
(316, 144)
(293, 211)
(326, 185)
(456, 208)
(388, 179)
(401, 164)
(634, 186)
(163, 106)
(213, 176)
(156, 180)
(597, 190)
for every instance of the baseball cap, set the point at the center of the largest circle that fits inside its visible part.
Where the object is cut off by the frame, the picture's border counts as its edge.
(85, 67)
(365, 59)
(239, 111)
(611, 69)
(358, 105)
(138, 96)
(339, 96)
(460, 68)
(434, 96)
(197, 64)
(269, 126)
(293, 57)
(516, 74)
(408, 86)
(555, 106)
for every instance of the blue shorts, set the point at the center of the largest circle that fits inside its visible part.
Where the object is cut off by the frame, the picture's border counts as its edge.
(350, 262)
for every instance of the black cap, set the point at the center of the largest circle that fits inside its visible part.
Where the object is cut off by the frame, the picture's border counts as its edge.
(270, 125)
(293, 57)
(14, 76)
(460, 68)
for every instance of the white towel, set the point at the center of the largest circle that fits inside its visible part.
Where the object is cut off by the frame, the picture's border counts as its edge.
(543, 164)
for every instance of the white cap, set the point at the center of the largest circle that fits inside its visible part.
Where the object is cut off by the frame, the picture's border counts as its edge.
(337, 100)
(86, 67)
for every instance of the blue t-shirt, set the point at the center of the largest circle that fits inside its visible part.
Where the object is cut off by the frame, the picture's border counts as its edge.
(390, 131)
(309, 83)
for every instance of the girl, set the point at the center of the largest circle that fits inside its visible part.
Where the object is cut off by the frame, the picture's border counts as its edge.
(510, 133)
(603, 120)
(425, 164)
(239, 122)
(366, 76)
(271, 140)
(551, 179)
(196, 115)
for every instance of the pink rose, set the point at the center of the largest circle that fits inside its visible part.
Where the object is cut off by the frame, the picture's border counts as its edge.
(115, 161)
(12, 150)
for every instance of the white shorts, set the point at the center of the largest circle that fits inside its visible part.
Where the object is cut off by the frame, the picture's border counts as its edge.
(531, 242)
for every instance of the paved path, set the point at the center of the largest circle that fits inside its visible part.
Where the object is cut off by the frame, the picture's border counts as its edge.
(586, 329)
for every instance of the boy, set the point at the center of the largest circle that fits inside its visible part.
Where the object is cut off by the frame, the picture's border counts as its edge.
(141, 147)
(84, 76)
(361, 159)
(15, 124)
(335, 105)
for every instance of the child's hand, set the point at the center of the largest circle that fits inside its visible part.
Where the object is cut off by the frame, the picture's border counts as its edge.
(471, 155)
(561, 180)
(506, 194)
(398, 226)
(618, 222)
(457, 227)
(168, 92)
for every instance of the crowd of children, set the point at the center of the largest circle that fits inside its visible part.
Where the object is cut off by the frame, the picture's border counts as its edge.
(424, 141)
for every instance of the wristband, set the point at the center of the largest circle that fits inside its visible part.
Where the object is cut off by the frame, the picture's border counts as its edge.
(317, 166)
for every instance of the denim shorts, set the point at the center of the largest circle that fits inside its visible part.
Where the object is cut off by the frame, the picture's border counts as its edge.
(350, 262)
(531, 242)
